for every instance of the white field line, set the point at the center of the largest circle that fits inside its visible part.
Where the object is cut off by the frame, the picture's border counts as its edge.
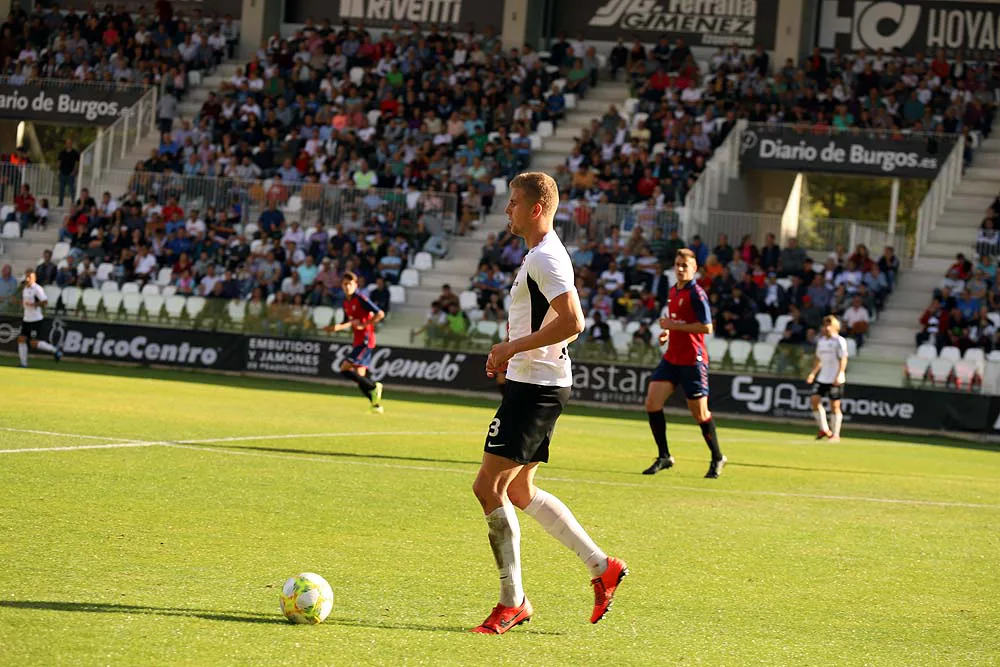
(469, 471)
(122, 442)
(71, 448)
(192, 444)
(80, 436)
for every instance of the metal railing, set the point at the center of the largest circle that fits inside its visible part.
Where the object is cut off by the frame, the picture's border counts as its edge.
(818, 235)
(116, 141)
(306, 201)
(723, 166)
(937, 196)
(576, 221)
(54, 84)
(43, 180)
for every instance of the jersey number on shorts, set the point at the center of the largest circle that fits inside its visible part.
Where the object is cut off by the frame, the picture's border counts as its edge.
(494, 427)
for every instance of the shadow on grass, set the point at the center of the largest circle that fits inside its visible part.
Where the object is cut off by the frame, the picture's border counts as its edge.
(344, 455)
(235, 617)
(487, 401)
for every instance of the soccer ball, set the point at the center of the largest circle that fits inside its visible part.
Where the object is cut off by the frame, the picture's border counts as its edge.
(306, 598)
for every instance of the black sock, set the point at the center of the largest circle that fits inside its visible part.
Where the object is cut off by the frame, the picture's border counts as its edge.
(363, 381)
(658, 425)
(711, 439)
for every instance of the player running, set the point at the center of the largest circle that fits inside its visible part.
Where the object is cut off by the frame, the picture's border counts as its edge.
(545, 316)
(34, 300)
(361, 315)
(685, 363)
(829, 373)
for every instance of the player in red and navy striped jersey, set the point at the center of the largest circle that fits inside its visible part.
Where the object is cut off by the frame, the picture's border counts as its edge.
(361, 315)
(685, 363)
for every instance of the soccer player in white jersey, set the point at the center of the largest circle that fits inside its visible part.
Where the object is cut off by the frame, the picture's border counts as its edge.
(545, 317)
(829, 372)
(34, 300)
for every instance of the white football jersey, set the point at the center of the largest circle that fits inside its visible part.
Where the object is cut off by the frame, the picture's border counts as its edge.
(830, 350)
(31, 299)
(546, 273)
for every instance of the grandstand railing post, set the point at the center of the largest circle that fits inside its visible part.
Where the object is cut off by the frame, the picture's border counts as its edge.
(95, 170)
(893, 207)
(152, 116)
(125, 142)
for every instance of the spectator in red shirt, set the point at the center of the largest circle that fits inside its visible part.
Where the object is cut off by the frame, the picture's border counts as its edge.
(24, 204)
(172, 211)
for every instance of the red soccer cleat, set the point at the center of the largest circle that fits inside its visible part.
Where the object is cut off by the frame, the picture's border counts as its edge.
(605, 586)
(824, 434)
(502, 619)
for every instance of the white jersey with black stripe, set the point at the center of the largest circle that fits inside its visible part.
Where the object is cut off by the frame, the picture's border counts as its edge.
(830, 350)
(546, 273)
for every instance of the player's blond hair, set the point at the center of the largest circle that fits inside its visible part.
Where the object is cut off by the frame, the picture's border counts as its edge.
(687, 254)
(539, 188)
(832, 323)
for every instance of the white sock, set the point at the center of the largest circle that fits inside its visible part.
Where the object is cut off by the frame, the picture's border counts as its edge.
(820, 415)
(22, 353)
(46, 347)
(505, 540)
(560, 523)
(838, 417)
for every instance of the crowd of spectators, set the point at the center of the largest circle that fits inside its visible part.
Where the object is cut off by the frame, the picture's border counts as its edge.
(214, 254)
(656, 151)
(113, 45)
(410, 110)
(964, 311)
(627, 277)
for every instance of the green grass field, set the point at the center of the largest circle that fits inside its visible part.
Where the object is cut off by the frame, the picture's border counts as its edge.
(876, 551)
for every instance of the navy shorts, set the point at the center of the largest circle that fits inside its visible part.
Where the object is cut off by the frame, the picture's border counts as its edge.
(692, 379)
(361, 355)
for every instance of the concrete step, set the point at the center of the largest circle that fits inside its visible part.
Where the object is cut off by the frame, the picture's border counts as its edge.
(882, 352)
(977, 203)
(611, 92)
(946, 250)
(915, 300)
(981, 172)
(899, 317)
(917, 280)
(936, 265)
(562, 145)
(987, 187)
(949, 234)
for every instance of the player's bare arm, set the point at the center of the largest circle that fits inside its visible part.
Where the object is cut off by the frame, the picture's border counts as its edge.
(569, 322)
(668, 324)
(817, 363)
(841, 372)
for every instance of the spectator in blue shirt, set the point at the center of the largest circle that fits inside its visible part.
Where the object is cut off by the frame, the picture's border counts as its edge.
(308, 271)
(556, 104)
(699, 249)
(168, 146)
(271, 219)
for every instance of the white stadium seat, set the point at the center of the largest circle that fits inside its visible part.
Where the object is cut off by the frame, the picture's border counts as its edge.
(397, 294)
(52, 294)
(237, 310)
(110, 286)
(409, 278)
(927, 351)
(852, 347)
(716, 349)
(546, 129)
(974, 355)
(194, 305)
(423, 261)
(940, 370)
(322, 316)
(60, 251)
(781, 321)
(153, 304)
(149, 288)
(104, 271)
(71, 298)
(765, 322)
(174, 306)
(739, 352)
(12, 230)
(112, 302)
(951, 353)
(965, 372)
(916, 367)
(130, 288)
(132, 303)
(468, 300)
(763, 354)
(91, 300)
